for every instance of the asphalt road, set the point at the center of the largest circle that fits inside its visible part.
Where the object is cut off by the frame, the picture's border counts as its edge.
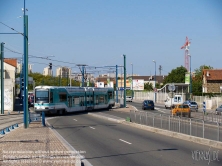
(108, 143)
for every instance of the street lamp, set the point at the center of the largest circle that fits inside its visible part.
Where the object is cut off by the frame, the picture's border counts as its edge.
(132, 80)
(155, 83)
(190, 76)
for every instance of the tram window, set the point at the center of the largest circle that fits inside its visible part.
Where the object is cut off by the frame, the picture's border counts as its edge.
(76, 100)
(81, 98)
(101, 99)
(105, 99)
(51, 97)
(110, 95)
(97, 101)
(62, 97)
(69, 101)
(73, 101)
(88, 99)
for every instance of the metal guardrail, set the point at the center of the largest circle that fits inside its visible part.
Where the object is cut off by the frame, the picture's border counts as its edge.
(194, 127)
(211, 116)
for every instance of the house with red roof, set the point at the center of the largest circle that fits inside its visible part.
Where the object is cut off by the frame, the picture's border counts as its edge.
(212, 81)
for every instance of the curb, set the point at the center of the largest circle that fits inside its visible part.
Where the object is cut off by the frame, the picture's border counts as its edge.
(80, 160)
(203, 141)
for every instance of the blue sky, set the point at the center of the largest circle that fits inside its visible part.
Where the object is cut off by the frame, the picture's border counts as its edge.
(99, 32)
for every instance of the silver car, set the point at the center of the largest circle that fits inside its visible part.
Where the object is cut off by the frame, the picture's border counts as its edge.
(193, 106)
(219, 110)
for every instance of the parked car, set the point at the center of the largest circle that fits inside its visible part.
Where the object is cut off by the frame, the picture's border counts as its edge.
(218, 110)
(181, 110)
(129, 98)
(31, 100)
(148, 104)
(192, 104)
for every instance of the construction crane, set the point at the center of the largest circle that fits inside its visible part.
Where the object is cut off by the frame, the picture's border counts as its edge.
(187, 55)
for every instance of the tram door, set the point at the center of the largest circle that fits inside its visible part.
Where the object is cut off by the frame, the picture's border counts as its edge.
(90, 99)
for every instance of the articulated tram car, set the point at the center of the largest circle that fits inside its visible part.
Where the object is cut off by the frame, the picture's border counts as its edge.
(57, 99)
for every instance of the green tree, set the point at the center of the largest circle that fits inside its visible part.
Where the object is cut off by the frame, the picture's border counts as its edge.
(148, 86)
(176, 76)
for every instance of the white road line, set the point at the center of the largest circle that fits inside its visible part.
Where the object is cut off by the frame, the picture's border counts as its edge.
(125, 141)
(162, 111)
(91, 127)
(74, 119)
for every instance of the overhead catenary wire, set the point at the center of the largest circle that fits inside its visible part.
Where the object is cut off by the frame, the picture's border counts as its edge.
(12, 28)
(95, 68)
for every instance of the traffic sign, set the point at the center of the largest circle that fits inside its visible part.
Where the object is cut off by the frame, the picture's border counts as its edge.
(121, 88)
(171, 94)
(204, 106)
(171, 87)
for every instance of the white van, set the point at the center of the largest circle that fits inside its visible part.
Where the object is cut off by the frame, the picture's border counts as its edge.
(129, 98)
(178, 99)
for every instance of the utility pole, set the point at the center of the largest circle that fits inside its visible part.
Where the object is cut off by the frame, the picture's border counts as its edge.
(2, 77)
(116, 84)
(25, 72)
(160, 68)
(67, 78)
(82, 76)
(124, 56)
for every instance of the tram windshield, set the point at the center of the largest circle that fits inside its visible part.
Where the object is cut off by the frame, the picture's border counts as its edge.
(41, 96)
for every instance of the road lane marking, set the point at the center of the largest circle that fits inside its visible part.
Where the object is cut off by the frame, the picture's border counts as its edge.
(74, 119)
(91, 127)
(125, 141)
(162, 111)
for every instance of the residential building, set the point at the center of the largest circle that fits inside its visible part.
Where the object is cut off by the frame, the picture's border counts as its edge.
(9, 83)
(212, 81)
(47, 71)
(19, 67)
(150, 79)
(63, 72)
(87, 77)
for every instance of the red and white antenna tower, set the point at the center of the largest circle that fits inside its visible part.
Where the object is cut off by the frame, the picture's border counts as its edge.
(186, 56)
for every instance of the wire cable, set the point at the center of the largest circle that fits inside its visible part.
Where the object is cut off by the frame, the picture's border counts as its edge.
(12, 29)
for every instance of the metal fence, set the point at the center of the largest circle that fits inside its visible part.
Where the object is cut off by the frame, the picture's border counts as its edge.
(211, 103)
(211, 116)
(190, 126)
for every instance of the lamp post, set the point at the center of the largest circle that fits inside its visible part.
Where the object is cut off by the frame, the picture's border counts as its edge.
(124, 56)
(155, 83)
(190, 76)
(132, 80)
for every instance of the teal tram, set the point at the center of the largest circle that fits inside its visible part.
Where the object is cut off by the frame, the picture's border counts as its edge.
(58, 99)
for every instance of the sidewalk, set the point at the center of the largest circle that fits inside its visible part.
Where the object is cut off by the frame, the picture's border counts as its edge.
(35, 145)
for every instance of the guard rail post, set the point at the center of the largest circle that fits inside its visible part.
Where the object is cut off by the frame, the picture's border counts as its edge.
(190, 127)
(43, 118)
(161, 120)
(169, 123)
(218, 131)
(203, 128)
